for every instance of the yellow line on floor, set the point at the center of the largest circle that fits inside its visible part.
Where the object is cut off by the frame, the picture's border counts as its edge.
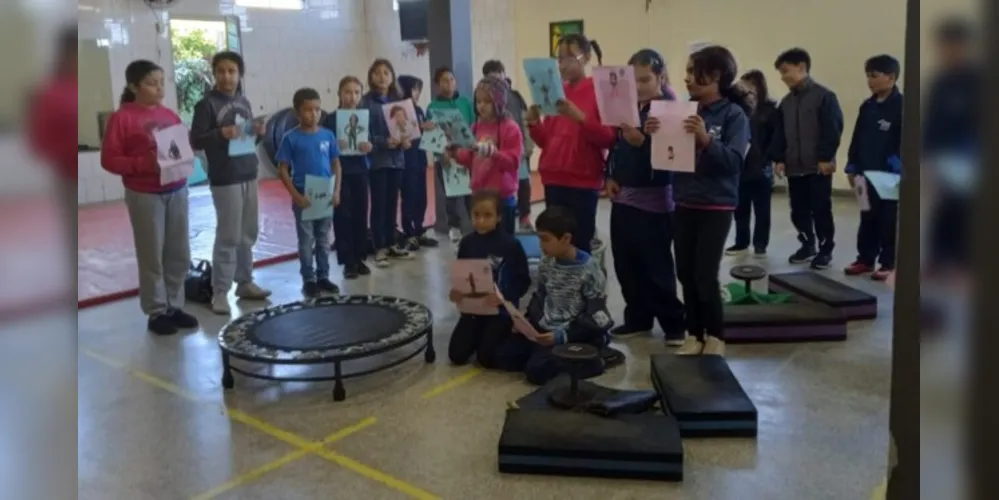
(451, 384)
(254, 474)
(304, 445)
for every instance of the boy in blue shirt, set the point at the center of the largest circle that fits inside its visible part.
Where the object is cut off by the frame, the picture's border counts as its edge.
(877, 138)
(310, 150)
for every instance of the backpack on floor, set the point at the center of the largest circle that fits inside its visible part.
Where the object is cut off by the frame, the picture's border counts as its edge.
(198, 286)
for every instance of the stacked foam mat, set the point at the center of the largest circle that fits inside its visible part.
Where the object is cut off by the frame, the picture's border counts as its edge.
(618, 436)
(819, 310)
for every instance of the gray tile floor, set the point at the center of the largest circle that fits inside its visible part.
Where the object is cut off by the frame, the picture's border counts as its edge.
(155, 424)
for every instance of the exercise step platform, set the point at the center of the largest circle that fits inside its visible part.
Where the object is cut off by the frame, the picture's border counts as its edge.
(573, 443)
(704, 396)
(853, 304)
(794, 321)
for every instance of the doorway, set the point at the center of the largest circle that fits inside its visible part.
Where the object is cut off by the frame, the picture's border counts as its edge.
(194, 42)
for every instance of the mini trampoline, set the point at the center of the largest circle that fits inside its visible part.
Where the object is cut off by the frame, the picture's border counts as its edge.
(327, 331)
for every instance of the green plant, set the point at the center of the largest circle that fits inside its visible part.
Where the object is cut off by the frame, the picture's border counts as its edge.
(192, 53)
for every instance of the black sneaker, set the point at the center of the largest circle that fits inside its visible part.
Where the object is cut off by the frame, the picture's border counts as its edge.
(310, 289)
(351, 272)
(412, 245)
(328, 286)
(759, 252)
(804, 254)
(735, 250)
(363, 269)
(822, 260)
(397, 252)
(627, 330)
(161, 324)
(427, 242)
(182, 319)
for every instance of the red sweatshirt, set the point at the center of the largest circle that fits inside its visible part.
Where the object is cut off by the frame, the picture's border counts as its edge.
(53, 123)
(129, 149)
(572, 153)
(498, 171)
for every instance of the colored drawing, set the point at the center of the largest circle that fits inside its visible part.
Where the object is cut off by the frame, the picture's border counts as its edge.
(400, 116)
(174, 154)
(672, 146)
(617, 95)
(457, 181)
(546, 83)
(456, 130)
(352, 128)
(246, 143)
(473, 279)
(434, 141)
(319, 191)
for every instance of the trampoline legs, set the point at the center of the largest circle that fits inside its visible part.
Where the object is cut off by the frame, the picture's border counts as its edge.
(339, 393)
(227, 381)
(429, 354)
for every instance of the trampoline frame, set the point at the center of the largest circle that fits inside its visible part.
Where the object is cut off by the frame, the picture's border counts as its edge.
(426, 334)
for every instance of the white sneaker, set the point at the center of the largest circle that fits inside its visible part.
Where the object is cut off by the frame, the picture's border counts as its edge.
(714, 345)
(455, 235)
(381, 258)
(252, 291)
(691, 346)
(220, 305)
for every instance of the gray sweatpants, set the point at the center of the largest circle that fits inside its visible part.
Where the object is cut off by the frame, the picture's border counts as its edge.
(236, 229)
(162, 247)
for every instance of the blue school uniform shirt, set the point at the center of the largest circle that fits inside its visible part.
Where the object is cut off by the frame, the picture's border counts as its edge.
(308, 153)
(877, 136)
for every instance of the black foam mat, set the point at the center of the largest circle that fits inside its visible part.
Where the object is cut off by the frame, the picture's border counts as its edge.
(815, 286)
(557, 442)
(796, 321)
(704, 396)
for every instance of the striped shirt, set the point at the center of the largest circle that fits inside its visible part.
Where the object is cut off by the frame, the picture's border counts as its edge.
(569, 290)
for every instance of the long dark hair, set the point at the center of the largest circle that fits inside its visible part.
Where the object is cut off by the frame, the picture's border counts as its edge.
(135, 72)
(716, 60)
(759, 81)
(393, 92)
(585, 45)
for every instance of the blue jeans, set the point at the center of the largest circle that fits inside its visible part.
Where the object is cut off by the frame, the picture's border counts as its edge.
(313, 243)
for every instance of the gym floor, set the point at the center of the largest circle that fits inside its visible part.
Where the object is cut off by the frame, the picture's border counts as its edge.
(154, 422)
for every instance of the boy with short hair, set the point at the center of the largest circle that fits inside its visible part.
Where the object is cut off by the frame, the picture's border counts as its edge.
(876, 144)
(516, 105)
(218, 119)
(807, 136)
(569, 305)
(448, 98)
(310, 150)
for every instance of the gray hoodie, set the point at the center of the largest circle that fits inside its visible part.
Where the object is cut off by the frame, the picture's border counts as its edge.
(214, 111)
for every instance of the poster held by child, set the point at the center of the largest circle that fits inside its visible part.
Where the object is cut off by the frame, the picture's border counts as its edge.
(546, 83)
(672, 145)
(174, 154)
(402, 122)
(616, 95)
(353, 130)
(472, 287)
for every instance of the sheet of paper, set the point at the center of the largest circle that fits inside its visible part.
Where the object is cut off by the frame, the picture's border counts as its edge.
(617, 95)
(672, 146)
(546, 83)
(456, 130)
(473, 278)
(352, 127)
(246, 143)
(434, 141)
(860, 188)
(457, 180)
(884, 183)
(319, 191)
(174, 153)
(520, 323)
(400, 116)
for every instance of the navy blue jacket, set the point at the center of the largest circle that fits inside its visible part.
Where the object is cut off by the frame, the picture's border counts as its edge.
(953, 112)
(349, 164)
(414, 156)
(631, 166)
(715, 180)
(877, 136)
(381, 156)
(763, 125)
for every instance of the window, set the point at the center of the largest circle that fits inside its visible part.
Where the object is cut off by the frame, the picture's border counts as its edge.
(271, 4)
(395, 5)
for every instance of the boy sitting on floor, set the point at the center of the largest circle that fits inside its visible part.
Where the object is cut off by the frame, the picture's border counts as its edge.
(569, 306)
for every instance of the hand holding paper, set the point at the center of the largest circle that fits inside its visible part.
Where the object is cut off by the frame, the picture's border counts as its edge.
(473, 280)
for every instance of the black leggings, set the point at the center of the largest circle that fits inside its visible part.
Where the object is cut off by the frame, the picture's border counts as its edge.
(699, 238)
(479, 335)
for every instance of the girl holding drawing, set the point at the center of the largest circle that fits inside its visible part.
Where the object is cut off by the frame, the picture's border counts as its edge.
(158, 212)
(448, 98)
(573, 142)
(495, 161)
(387, 162)
(706, 197)
(640, 225)
(414, 176)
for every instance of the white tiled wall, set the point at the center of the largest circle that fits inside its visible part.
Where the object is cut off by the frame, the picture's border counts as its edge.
(284, 50)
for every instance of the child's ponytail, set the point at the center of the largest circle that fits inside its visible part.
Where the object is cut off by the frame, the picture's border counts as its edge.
(598, 52)
(127, 96)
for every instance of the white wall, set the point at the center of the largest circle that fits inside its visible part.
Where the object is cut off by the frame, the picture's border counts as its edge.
(95, 78)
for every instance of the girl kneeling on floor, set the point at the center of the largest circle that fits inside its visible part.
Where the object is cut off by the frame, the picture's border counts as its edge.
(482, 335)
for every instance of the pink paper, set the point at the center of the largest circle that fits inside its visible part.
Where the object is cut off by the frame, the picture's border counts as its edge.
(400, 116)
(860, 188)
(520, 323)
(617, 96)
(473, 278)
(174, 153)
(672, 146)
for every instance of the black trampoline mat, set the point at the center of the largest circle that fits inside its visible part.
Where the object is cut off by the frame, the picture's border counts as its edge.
(817, 287)
(333, 326)
(791, 313)
(583, 435)
(700, 387)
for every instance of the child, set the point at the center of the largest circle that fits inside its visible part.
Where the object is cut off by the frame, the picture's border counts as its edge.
(310, 149)
(482, 335)
(875, 146)
(569, 306)
(158, 213)
(573, 142)
(641, 230)
(414, 176)
(804, 148)
(495, 160)
(448, 98)
(350, 221)
(387, 163)
(516, 106)
(756, 181)
(218, 118)
(707, 197)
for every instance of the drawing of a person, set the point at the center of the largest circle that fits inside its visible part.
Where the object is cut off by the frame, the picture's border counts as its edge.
(471, 283)
(669, 153)
(174, 151)
(398, 117)
(613, 85)
(353, 129)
